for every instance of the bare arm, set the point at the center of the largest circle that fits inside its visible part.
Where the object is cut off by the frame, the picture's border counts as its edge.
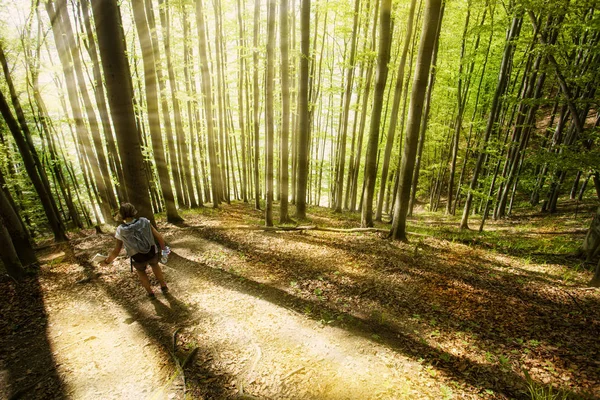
(158, 237)
(114, 253)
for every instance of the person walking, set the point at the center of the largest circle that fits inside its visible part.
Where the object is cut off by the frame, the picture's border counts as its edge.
(139, 238)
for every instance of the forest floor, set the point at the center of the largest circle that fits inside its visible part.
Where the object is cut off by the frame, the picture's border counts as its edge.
(312, 314)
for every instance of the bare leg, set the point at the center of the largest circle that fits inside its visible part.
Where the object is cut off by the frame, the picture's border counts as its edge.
(159, 275)
(144, 280)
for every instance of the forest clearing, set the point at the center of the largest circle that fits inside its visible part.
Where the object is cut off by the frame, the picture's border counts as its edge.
(313, 315)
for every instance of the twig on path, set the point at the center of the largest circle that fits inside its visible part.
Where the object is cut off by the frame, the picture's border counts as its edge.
(294, 372)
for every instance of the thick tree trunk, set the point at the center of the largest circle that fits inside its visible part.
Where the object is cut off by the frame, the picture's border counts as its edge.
(113, 156)
(429, 36)
(119, 88)
(21, 240)
(8, 255)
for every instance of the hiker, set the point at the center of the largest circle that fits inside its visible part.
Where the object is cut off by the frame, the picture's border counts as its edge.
(138, 236)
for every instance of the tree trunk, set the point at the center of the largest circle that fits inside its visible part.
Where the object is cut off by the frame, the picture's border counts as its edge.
(389, 144)
(285, 111)
(119, 88)
(493, 116)
(182, 166)
(303, 136)
(193, 116)
(20, 238)
(63, 27)
(113, 156)
(269, 86)
(429, 35)
(150, 80)
(43, 191)
(345, 112)
(215, 176)
(382, 71)
(256, 106)
(241, 75)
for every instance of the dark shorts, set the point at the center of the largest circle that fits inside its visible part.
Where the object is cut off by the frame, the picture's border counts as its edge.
(145, 259)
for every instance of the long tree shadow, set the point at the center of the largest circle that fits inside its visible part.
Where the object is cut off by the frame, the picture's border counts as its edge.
(537, 318)
(482, 376)
(27, 366)
(174, 318)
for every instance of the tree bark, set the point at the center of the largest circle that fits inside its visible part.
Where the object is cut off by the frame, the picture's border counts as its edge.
(493, 116)
(429, 34)
(208, 111)
(119, 88)
(285, 111)
(389, 144)
(382, 72)
(303, 136)
(256, 104)
(269, 86)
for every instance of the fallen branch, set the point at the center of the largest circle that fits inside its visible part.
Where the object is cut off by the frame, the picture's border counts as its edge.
(291, 228)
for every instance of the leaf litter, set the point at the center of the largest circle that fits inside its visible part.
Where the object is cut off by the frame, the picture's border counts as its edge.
(293, 315)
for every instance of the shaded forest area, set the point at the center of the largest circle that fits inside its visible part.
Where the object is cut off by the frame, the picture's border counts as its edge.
(400, 170)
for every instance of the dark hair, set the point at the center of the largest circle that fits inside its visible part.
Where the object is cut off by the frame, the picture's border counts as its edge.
(127, 210)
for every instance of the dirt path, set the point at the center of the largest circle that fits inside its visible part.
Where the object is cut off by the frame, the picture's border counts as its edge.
(246, 344)
(312, 315)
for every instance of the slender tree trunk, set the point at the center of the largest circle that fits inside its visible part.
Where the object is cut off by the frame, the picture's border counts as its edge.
(389, 144)
(285, 111)
(43, 190)
(269, 86)
(62, 26)
(382, 71)
(461, 101)
(182, 164)
(215, 176)
(493, 116)
(346, 111)
(429, 35)
(172, 162)
(255, 110)
(152, 100)
(241, 74)
(193, 115)
(303, 136)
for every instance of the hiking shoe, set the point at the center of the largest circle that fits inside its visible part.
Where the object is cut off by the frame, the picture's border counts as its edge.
(164, 289)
